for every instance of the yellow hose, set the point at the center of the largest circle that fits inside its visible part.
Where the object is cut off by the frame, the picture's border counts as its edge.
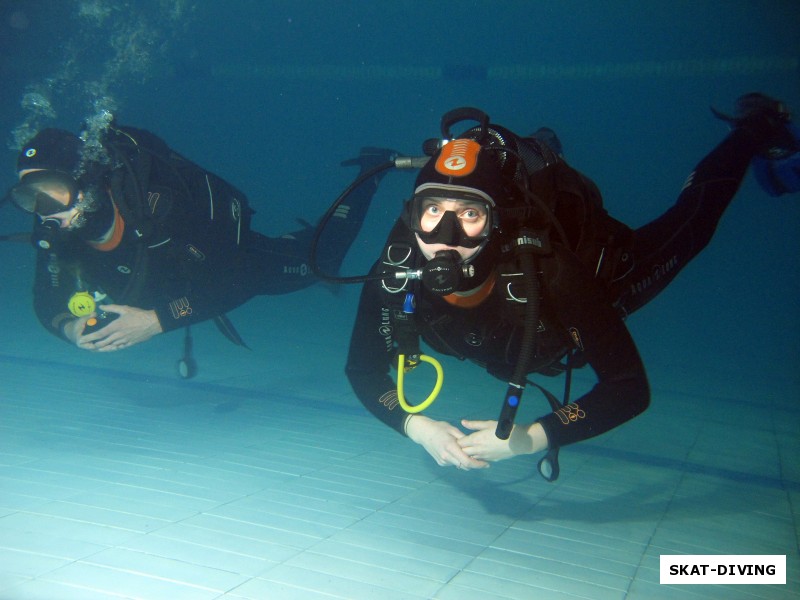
(401, 377)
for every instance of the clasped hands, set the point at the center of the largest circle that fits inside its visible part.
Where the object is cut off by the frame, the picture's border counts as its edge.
(448, 445)
(133, 326)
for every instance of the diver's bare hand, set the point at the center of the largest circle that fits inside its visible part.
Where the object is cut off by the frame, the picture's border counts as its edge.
(440, 440)
(483, 443)
(133, 326)
(74, 328)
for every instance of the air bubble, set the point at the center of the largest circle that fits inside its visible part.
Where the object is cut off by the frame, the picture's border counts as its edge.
(128, 38)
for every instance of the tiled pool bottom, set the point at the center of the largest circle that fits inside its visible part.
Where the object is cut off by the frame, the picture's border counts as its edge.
(112, 486)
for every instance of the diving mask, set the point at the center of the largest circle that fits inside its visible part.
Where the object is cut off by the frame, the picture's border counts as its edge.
(451, 215)
(45, 192)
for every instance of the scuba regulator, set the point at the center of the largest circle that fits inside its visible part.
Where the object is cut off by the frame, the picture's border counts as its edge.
(82, 303)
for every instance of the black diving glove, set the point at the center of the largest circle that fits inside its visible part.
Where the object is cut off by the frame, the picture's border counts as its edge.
(766, 122)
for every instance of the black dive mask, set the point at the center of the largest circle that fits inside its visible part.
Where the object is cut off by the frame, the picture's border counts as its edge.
(45, 192)
(93, 219)
(449, 232)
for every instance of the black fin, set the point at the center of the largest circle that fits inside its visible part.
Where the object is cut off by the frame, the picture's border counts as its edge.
(227, 329)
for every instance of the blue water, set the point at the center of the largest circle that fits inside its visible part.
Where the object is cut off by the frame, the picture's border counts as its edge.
(274, 95)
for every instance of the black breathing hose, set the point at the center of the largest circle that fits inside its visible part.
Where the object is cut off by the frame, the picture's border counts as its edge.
(400, 162)
(525, 252)
(323, 222)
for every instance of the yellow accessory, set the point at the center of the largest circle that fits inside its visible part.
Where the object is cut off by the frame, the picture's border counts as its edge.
(402, 369)
(81, 304)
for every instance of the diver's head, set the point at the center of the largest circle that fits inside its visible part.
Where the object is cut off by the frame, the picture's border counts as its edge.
(448, 217)
(457, 198)
(56, 184)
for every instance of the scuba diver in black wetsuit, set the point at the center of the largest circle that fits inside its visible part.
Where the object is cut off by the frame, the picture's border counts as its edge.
(136, 240)
(505, 256)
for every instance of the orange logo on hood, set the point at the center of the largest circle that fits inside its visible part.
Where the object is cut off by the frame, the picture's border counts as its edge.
(458, 158)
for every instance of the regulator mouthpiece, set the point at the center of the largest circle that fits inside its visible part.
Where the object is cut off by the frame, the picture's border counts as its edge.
(444, 273)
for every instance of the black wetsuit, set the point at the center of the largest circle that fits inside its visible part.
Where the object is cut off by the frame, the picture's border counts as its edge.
(186, 250)
(577, 311)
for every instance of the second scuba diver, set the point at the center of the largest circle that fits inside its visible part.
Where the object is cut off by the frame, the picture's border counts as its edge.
(134, 239)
